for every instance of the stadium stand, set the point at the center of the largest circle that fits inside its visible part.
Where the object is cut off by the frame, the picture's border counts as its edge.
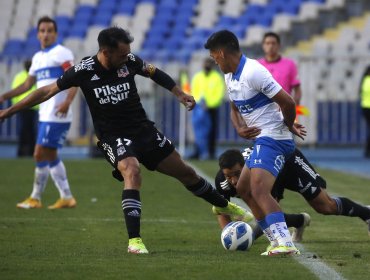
(326, 37)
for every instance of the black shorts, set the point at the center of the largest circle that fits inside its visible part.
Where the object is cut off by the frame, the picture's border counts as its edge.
(298, 176)
(149, 146)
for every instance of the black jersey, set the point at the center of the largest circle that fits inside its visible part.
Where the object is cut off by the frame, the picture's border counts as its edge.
(298, 175)
(111, 95)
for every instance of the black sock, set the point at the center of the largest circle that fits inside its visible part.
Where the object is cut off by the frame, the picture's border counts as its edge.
(131, 206)
(347, 207)
(257, 231)
(205, 190)
(294, 220)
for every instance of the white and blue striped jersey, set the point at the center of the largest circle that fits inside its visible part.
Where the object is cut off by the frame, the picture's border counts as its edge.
(47, 66)
(251, 89)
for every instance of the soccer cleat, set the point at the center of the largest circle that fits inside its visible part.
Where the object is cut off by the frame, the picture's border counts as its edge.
(235, 212)
(283, 250)
(29, 203)
(297, 234)
(63, 203)
(269, 247)
(136, 246)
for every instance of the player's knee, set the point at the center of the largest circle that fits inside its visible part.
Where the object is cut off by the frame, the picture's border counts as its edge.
(324, 209)
(129, 170)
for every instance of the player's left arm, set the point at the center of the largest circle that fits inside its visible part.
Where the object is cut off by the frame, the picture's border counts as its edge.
(36, 97)
(297, 94)
(62, 108)
(287, 106)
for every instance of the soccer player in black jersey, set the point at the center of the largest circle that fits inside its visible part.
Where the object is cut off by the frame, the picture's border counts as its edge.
(299, 176)
(126, 136)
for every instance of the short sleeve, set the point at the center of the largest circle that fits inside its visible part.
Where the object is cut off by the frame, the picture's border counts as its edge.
(263, 81)
(70, 78)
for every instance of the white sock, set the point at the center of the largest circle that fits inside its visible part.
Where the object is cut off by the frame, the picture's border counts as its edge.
(281, 234)
(270, 236)
(59, 175)
(40, 180)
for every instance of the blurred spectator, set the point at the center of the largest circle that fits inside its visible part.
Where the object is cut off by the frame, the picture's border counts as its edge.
(207, 87)
(365, 105)
(26, 119)
(282, 69)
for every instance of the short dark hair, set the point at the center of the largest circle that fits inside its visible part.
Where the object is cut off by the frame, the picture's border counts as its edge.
(229, 158)
(47, 19)
(271, 34)
(223, 39)
(110, 37)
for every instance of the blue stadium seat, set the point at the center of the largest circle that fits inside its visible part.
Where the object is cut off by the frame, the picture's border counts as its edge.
(13, 48)
(78, 29)
(103, 18)
(126, 8)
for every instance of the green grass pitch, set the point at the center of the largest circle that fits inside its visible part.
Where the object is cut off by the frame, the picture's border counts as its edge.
(179, 230)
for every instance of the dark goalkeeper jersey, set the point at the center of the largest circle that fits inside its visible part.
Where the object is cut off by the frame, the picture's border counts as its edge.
(111, 95)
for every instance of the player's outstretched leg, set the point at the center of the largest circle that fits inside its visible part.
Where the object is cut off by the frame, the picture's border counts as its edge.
(205, 190)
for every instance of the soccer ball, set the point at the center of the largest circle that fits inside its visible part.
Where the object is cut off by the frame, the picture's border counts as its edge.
(237, 236)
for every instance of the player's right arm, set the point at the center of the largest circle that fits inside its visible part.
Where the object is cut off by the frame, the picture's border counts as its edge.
(240, 125)
(26, 85)
(36, 97)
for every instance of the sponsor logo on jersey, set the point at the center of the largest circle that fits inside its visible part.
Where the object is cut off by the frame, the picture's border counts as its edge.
(95, 78)
(131, 57)
(112, 94)
(123, 72)
(269, 87)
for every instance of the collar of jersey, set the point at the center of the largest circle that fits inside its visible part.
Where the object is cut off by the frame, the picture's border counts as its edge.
(236, 75)
(50, 47)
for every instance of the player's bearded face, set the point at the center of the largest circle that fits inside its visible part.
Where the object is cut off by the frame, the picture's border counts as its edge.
(117, 57)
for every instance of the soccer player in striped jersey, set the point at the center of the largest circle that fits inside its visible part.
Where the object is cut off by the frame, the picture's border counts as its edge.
(259, 102)
(55, 116)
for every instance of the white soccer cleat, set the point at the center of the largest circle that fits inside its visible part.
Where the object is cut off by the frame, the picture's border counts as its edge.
(297, 234)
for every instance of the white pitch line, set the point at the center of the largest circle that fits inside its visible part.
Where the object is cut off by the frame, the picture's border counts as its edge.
(316, 266)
